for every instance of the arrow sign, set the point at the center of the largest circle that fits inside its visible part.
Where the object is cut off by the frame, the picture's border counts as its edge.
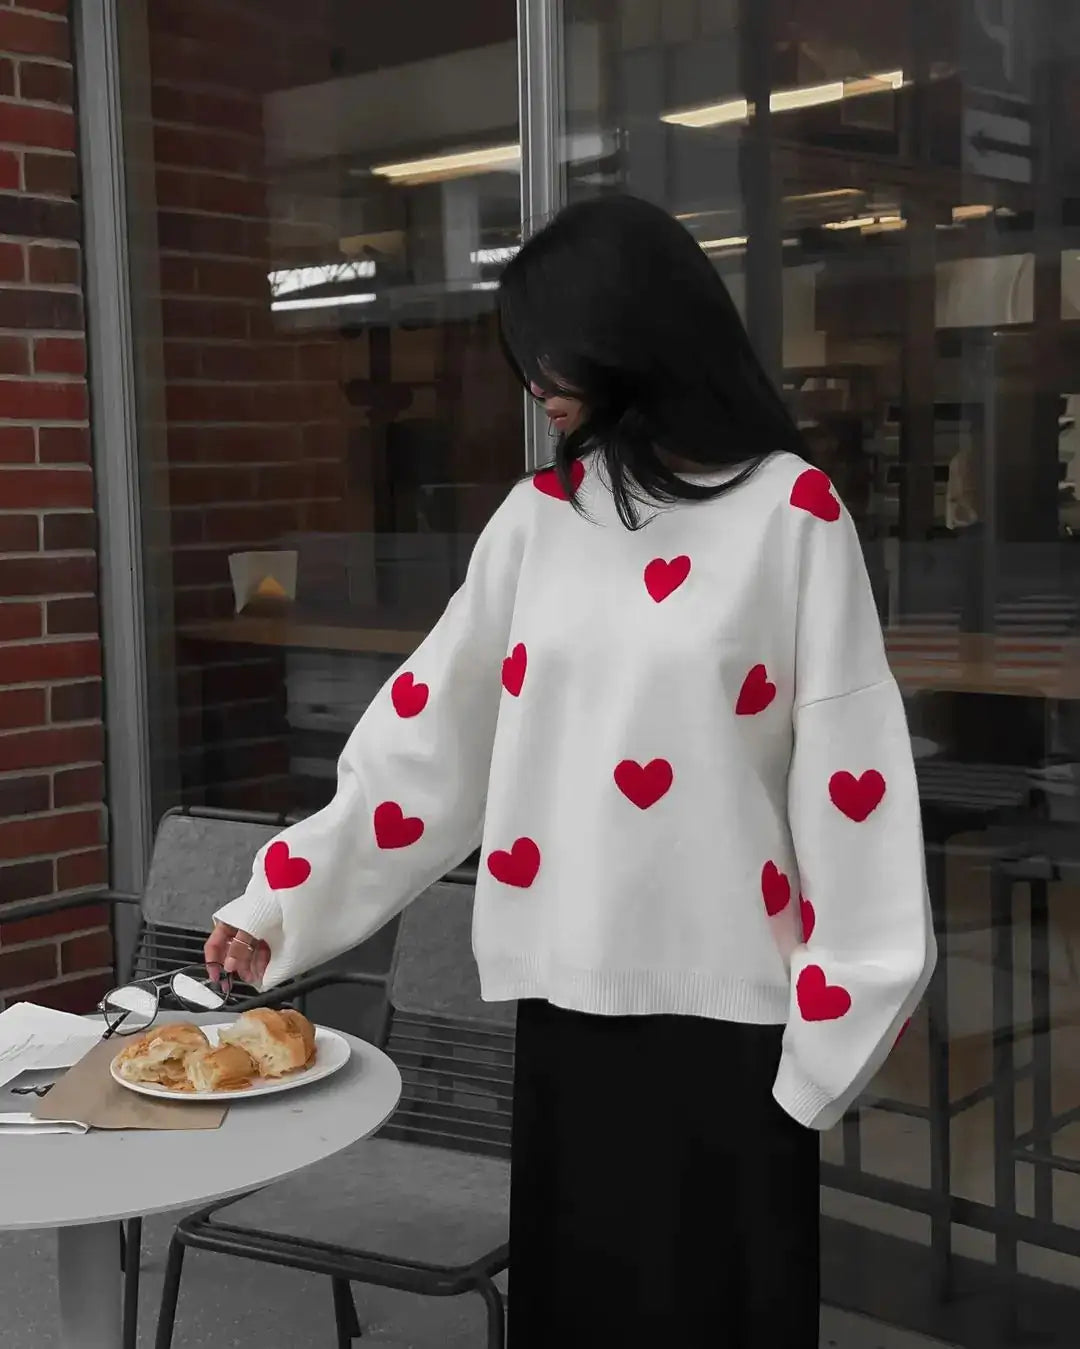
(997, 146)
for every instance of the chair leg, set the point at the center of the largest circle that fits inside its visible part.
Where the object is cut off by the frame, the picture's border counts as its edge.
(496, 1337)
(170, 1295)
(346, 1322)
(132, 1235)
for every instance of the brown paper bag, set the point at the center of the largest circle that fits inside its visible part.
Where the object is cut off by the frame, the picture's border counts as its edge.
(87, 1093)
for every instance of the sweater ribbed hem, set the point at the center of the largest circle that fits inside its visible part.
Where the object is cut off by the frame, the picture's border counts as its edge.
(720, 997)
(804, 1100)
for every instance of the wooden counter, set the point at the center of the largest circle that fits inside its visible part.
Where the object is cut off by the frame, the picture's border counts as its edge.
(922, 660)
(382, 636)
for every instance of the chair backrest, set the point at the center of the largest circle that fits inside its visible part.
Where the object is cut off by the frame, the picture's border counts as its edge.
(201, 860)
(455, 1052)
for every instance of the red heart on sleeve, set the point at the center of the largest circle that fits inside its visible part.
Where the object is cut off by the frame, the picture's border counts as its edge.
(818, 999)
(857, 798)
(283, 871)
(519, 867)
(775, 889)
(409, 697)
(394, 829)
(809, 918)
(513, 670)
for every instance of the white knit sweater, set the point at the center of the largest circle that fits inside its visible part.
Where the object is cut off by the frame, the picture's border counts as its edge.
(687, 762)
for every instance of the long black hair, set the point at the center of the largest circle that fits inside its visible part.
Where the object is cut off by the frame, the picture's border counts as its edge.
(615, 303)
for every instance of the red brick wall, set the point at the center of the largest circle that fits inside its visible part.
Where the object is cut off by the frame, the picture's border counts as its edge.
(52, 821)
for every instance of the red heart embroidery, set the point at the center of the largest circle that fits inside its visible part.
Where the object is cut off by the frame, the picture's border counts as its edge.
(775, 889)
(644, 784)
(818, 999)
(395, 829)
(284, 872)
(519, 867)
(813, 492)
(809, 918)
(409, 697)
(548, 481)
(663, 578)
(513, 670)
(756, 694)
(857, 798)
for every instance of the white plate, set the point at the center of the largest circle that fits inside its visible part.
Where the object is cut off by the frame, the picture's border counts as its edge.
(332, 1053)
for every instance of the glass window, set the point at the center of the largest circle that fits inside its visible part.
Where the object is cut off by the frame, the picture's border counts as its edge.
(890, 191)
(319, 204)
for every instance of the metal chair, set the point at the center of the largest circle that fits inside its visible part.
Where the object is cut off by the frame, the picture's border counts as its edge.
(956, 798)
(423, 1207)
(201, 859)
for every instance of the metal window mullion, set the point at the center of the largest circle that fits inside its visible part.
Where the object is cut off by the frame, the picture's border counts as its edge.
(541, 97)
(114, 432)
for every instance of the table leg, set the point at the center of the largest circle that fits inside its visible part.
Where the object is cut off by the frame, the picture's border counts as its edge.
(88, 1267)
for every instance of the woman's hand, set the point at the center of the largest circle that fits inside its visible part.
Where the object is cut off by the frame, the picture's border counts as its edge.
(235, 952)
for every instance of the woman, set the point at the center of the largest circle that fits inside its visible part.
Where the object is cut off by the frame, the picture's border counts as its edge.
(661, 704)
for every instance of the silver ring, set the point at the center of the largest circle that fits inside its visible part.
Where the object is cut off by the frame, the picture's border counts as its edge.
(247, 945)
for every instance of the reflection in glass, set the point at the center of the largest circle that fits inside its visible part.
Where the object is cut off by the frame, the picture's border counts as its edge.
(890, 193)
(319, 211)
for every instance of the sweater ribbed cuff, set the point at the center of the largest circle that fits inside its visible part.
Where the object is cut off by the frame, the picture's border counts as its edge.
(806, 1102)
(257, 914)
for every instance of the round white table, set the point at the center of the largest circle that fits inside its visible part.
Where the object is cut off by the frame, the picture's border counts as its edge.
(83, 1185)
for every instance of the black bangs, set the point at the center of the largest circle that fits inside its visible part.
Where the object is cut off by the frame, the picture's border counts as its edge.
(615, 304)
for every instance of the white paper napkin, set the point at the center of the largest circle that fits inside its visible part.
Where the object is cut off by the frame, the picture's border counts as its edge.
(39, 1037)
(17, 1123)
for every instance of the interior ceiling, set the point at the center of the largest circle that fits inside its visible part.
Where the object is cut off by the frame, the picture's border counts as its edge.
(880, 31)
(370, 36)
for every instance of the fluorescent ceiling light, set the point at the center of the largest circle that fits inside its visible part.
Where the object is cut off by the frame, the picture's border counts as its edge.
(834, 194)
(485, 285)
(327, 274)
(855, 222)
(457, 164)
(710, 114)
(884, 224)
(809, 96)
(322, 301)
(887, 82)
(734, 241)
(489, 159)
(787, 100)
(490, 257)
(973, 212)
(869, 224)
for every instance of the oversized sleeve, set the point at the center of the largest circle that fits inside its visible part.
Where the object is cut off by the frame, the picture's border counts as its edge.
(411, 782)
(853, 807)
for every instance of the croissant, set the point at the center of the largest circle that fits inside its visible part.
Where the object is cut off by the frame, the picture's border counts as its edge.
(227, 1068)
(279, 1042)
(160, 1054)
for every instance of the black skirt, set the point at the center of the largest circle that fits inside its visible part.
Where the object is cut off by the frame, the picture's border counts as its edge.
(659, 1195)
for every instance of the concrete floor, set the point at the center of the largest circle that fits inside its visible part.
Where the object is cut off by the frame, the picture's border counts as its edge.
(231, 1304)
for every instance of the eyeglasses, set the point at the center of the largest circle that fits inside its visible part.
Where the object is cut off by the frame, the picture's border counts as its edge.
(132, 1007)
